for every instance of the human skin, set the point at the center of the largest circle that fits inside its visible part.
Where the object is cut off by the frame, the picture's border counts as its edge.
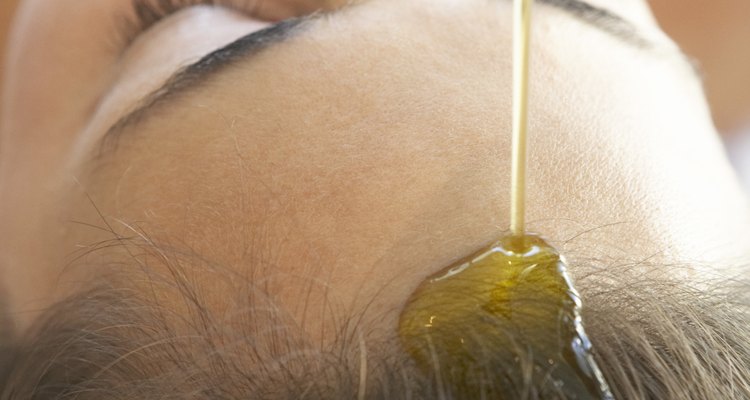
(6, 14)
(716, 35)
(363, 154)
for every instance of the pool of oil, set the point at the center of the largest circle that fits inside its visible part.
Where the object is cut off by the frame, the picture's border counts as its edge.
(504, 323)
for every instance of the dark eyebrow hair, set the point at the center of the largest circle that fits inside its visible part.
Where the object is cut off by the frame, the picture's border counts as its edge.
(603, 19)
(191, 75)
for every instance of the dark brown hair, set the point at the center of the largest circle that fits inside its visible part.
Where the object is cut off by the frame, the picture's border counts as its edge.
(655, 338)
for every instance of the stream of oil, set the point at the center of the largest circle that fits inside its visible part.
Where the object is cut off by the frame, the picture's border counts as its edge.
(505, 322)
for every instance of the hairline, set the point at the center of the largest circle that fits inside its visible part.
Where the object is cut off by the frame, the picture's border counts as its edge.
(108, 303)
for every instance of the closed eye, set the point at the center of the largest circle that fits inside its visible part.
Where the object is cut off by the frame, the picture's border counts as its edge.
(145, 14)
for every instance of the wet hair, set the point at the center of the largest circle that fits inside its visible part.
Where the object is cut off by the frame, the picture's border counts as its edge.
(143, 335)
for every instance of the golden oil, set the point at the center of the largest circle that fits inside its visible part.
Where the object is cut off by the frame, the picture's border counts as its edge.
(503, 323)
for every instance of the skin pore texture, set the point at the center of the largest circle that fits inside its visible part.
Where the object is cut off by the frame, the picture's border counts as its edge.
(342, 165)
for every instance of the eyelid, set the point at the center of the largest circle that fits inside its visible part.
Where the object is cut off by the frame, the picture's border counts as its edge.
(144, 14)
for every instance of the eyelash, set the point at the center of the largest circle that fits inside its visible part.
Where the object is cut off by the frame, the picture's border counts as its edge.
(147, 13)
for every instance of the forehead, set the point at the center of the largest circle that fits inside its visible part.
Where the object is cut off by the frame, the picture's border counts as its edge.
(364, 143)
(380, 107)
(374, 144)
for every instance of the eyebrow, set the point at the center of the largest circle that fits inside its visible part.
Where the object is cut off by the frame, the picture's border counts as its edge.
(603, 19)
(244, 48)
(190, 76)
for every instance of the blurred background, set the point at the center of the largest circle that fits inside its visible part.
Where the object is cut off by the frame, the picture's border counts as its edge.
(716, 33)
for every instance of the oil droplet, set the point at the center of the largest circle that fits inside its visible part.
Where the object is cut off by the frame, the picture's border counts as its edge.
(503, 323)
